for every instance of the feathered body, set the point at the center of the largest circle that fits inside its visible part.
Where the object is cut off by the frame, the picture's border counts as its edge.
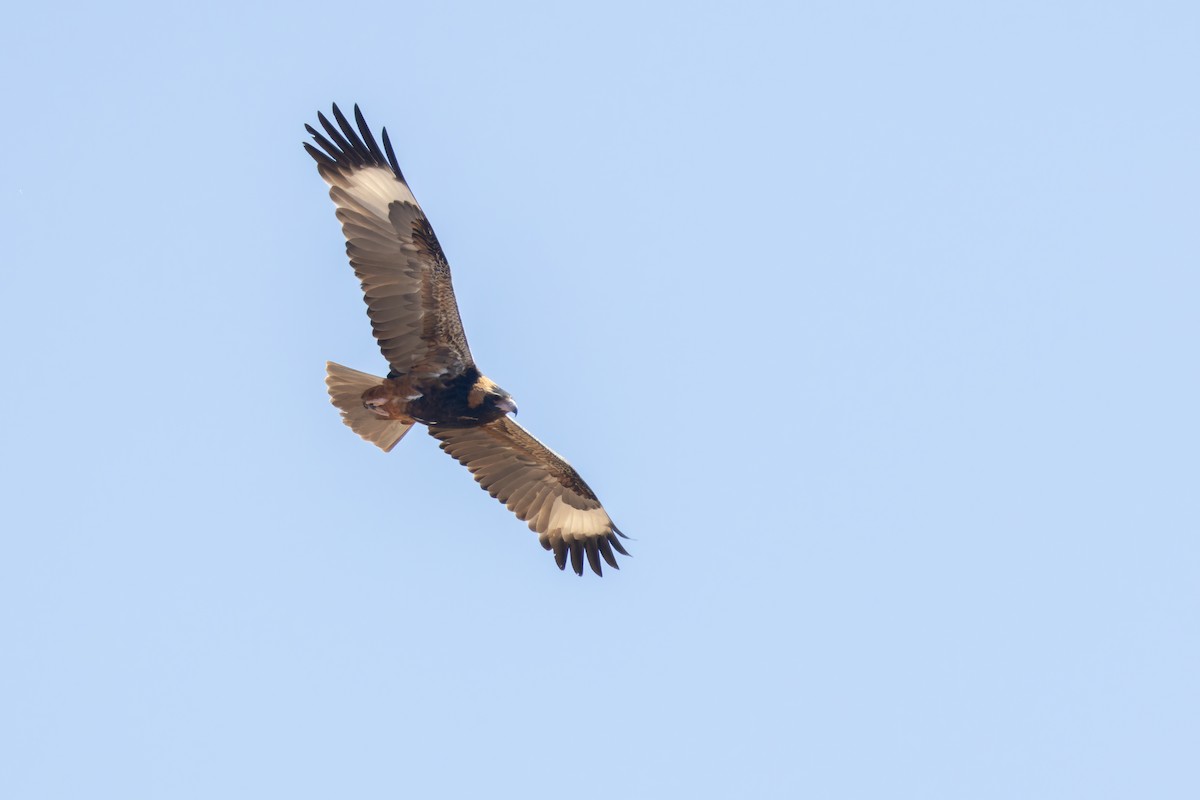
(433, 379)
(466, 398)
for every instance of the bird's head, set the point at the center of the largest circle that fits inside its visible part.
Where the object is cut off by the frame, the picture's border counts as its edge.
(489, 400)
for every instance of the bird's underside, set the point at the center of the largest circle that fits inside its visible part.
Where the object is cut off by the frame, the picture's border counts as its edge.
(433, 379)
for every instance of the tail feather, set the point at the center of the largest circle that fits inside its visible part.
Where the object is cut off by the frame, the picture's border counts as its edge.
(345, 390)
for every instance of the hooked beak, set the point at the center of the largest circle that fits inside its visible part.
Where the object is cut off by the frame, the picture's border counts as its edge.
(507, 405)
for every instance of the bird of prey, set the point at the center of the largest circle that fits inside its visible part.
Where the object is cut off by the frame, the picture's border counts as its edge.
(433, 380)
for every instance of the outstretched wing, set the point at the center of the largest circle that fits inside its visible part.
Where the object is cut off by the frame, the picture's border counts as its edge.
(539, 487)
(394, 252)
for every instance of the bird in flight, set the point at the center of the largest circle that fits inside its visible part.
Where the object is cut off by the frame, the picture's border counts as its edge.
(433, 380)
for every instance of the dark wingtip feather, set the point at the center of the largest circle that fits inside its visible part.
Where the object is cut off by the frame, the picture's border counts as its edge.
(560, 553)
(365, 130)
(391, 154)
(616, 543)
(348, 153)
(607, 551)
(346, 148)
(329, 147)
(344, 124)
(317, 155)
(593, 556)
(351, 135)
(577, 556)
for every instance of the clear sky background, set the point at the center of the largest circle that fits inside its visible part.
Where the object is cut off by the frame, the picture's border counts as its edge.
(874, 323)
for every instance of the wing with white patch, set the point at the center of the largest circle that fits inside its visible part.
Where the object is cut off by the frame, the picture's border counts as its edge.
(393, 249)
(540, 487)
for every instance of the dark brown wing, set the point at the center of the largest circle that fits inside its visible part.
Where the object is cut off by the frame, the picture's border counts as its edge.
(539, 487)
(394, 252)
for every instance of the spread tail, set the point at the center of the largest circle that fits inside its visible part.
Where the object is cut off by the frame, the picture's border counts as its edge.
(345, 390)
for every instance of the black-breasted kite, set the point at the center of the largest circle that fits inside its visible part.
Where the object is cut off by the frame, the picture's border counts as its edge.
(433, 379)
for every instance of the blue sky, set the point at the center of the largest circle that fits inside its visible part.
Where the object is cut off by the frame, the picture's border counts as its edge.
(875, 324)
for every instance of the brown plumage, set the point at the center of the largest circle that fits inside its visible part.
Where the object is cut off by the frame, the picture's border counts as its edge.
(433, 379)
